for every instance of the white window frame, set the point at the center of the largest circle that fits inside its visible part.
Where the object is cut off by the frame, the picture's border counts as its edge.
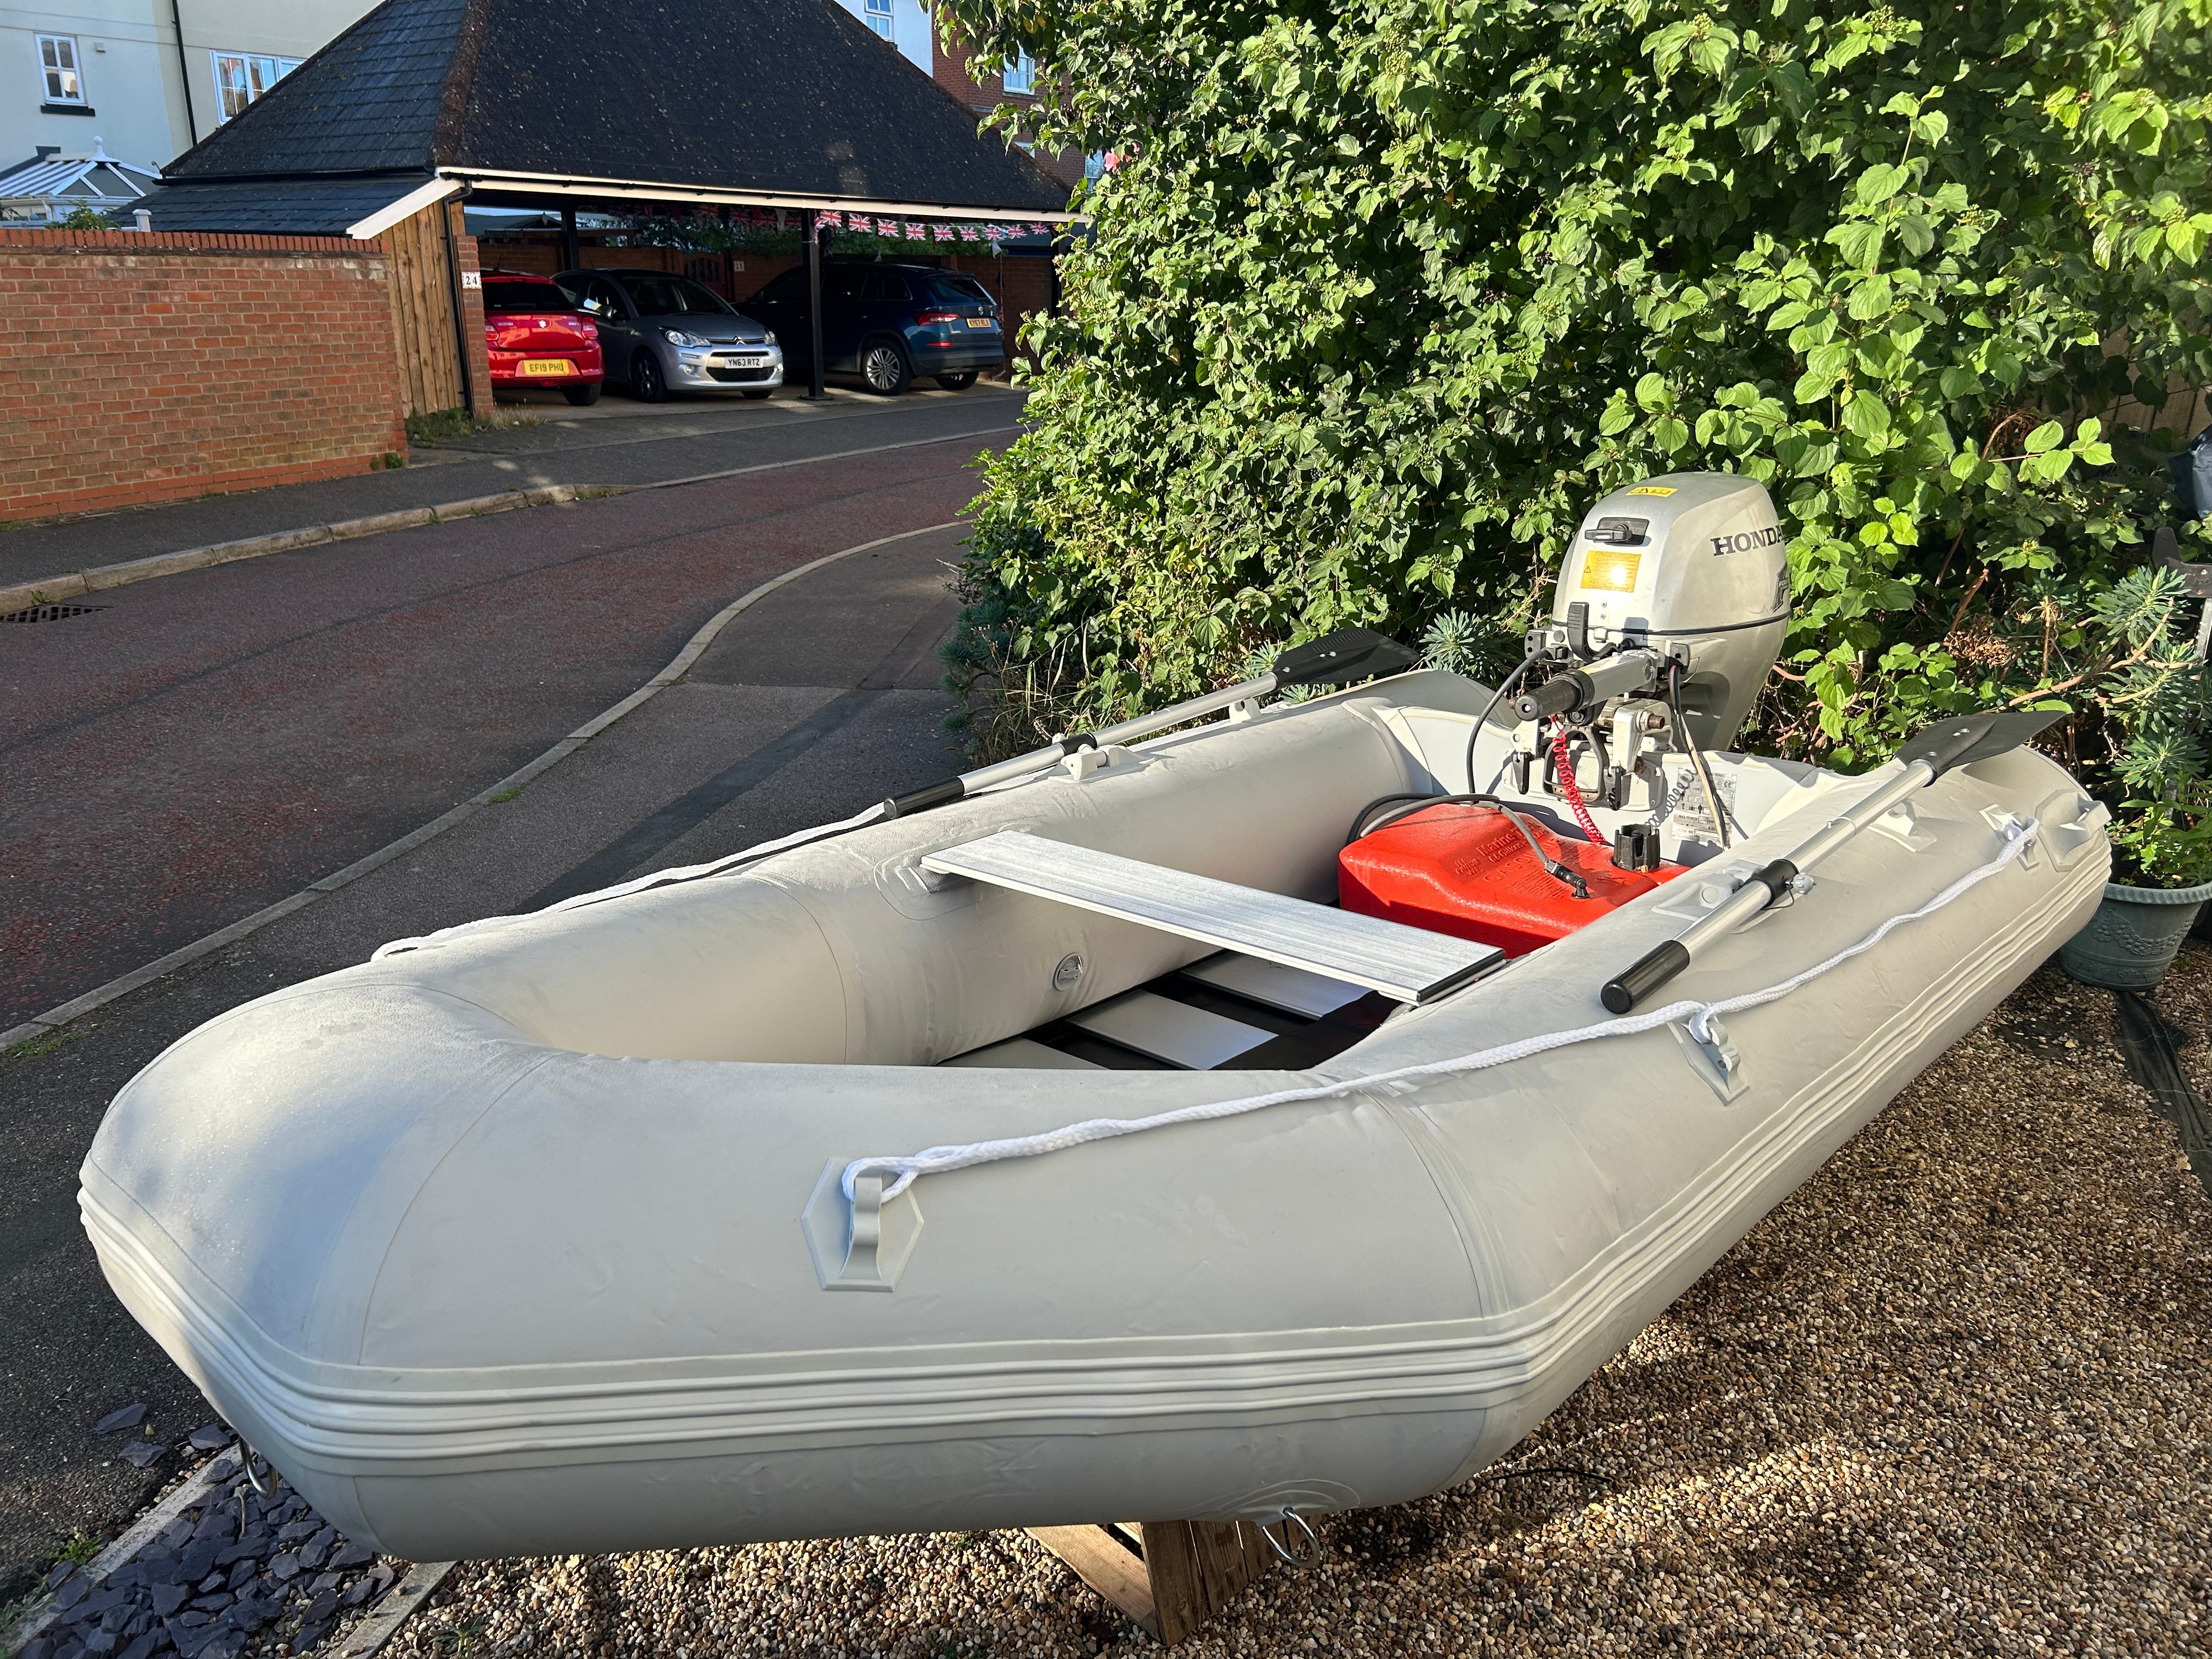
(877, 15)
(65, 46)
(1020, 77)
(251, 66)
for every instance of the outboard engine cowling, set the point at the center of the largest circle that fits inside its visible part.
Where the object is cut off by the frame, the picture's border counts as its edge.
(1695, 566)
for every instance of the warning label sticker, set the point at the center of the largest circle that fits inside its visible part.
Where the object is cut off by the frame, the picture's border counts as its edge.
(1691, 817)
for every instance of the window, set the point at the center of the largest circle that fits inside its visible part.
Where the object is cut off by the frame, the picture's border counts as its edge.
(879, 16)
(955, 289)
(58, 58)
(241, 78)
(523, 296)
(602, 298)
(672, 296)
(1020, 76)
(786, 289)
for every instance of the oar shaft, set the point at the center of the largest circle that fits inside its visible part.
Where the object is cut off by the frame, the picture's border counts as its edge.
(1762, 888)
(1020, 766)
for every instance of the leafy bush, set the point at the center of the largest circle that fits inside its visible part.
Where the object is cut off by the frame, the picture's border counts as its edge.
(1383, 293)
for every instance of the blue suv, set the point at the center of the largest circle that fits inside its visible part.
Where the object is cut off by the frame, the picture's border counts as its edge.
(888, 323)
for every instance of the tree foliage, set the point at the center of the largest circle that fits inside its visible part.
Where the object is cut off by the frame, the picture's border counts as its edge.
(1384, 293)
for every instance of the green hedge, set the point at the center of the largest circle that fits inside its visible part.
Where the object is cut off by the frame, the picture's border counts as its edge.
(1382, 294)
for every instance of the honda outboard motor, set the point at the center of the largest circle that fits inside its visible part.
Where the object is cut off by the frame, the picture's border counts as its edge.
(1670, 609)
(1691, 567)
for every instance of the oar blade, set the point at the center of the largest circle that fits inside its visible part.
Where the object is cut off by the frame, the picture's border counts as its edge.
(1338, 658)
(1948, 745)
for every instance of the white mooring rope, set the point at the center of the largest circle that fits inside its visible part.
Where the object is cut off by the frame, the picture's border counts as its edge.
(937, 1160)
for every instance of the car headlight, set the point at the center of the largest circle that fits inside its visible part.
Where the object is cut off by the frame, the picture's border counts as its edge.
(678, 337)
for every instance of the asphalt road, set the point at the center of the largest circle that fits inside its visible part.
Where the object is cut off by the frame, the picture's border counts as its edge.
(615, 442)
(231, 737)
(212, 742)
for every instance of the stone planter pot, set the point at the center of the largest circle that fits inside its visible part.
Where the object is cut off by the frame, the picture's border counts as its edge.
(2132, 939)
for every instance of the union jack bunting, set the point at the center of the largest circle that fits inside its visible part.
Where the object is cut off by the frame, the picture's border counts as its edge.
(915, 233)
(945, 234)
(833, 220)
(1040, 230)
(970, 233)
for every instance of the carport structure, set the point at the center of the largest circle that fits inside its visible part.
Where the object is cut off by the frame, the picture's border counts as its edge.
(613, 105)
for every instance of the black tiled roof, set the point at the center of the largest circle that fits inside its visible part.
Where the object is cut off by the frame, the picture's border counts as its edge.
(368, 101)
(780, 96)
(275, 207)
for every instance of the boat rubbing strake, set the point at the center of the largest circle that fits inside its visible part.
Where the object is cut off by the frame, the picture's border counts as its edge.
(1167, 1184)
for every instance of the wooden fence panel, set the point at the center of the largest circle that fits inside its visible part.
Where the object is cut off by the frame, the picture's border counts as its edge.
(422, 311)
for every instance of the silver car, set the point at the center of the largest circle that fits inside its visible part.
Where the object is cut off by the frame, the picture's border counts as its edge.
(661, 334)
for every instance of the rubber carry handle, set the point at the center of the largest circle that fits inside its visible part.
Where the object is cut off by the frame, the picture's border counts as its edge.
(1652, 970)
(1567, 692)
(921, 799)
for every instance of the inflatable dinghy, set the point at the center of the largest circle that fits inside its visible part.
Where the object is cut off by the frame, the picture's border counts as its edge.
(1110, 1139)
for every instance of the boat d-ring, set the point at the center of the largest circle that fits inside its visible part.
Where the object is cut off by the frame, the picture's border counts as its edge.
(1295, 1563)
(251, 1478)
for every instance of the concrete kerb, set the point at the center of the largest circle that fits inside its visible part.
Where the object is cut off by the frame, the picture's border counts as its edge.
(79, 583)
(57, 589)
(54, 1018)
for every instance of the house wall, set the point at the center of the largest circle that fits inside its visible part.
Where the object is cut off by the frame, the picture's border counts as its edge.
(121, 55)
(139, 368)
(983, 90)
(276, 29)
(134, 81)
(911, 32)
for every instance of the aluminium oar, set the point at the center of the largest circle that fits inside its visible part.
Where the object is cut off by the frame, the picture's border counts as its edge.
(1931, 752)
(1338, 658)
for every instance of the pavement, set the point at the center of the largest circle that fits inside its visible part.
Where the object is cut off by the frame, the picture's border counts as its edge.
(616, 442)
(820, 698)
(212, 742)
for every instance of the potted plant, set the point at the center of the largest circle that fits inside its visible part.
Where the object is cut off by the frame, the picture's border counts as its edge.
(2162, 876)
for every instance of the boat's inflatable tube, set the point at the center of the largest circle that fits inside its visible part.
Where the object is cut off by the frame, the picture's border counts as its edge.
(495, 1247)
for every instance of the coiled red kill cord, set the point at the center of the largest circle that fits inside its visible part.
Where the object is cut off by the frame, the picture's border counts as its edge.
(1571, 790)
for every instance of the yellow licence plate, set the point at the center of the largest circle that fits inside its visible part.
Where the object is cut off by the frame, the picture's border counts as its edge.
(548, 366)
(981, 322)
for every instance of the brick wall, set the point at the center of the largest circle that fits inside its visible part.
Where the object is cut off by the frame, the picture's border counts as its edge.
(953, 68)
(138, 368)
(1021, 283)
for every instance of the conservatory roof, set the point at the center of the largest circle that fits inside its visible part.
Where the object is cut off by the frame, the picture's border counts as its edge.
(99, 178)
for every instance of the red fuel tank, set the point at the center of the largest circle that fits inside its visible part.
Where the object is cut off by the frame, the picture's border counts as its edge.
(1465, 870)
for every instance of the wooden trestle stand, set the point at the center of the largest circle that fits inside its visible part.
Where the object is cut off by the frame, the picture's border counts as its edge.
(1170, 1576)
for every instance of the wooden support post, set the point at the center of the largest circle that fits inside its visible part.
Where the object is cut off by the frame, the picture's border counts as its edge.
(1169, 1577)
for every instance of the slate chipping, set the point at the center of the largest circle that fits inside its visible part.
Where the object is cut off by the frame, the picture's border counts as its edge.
(206, 1586)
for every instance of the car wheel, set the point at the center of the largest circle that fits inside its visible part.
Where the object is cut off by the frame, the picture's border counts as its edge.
(582, 396)
(959, 382)
(756, 395)
(646, 383)
(883, 366)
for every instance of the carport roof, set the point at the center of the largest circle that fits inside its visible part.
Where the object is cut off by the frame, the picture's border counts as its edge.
(771, 102)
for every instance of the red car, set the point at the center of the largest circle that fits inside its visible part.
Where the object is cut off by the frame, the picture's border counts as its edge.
(536, 337)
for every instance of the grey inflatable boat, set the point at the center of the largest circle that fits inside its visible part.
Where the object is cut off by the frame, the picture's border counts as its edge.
(1082, 1146)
